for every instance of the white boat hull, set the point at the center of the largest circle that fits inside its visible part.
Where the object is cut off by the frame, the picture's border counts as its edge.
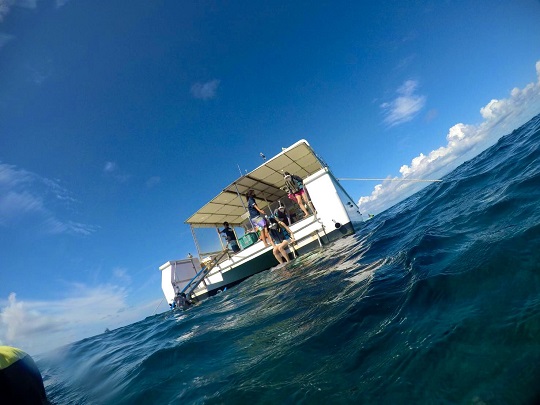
(337, 216)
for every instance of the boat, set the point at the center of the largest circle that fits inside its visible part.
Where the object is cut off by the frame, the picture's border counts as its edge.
(217, 268)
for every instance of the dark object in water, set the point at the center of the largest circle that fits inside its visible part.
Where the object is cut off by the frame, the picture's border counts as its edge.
(20, 379)
(182, 301)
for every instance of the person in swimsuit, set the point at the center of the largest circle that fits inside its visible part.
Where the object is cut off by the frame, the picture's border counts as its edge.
(280, 235)
(283, 215)
(295, 185)
(256, 215)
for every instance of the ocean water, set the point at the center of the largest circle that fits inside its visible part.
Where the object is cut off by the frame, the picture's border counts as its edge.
(435, 301)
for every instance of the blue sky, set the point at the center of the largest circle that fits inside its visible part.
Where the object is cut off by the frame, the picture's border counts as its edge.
(119, 119)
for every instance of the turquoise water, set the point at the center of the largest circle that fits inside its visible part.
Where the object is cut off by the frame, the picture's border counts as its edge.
(435, 301)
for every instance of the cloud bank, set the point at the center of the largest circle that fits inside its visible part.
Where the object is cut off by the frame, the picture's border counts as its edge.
(39, 326)
(500, 117)
(26, 197)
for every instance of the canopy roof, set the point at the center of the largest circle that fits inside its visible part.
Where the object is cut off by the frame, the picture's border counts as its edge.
(230, 205)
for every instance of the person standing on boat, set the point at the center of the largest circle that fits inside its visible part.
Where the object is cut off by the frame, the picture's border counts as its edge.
(280, 235)
(295, 185)
(230, 237)
(256, 216)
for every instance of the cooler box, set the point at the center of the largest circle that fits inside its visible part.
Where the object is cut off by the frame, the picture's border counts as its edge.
(248, 239)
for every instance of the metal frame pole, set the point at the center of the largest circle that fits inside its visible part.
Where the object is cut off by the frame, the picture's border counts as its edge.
(196, 241)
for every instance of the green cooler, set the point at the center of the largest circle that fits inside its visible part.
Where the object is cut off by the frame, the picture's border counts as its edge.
(248, 239)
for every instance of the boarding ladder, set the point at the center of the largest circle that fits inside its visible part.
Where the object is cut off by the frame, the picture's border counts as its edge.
(199, 277)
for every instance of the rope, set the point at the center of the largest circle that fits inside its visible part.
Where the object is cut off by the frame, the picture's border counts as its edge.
(426, 180)
(155, 310)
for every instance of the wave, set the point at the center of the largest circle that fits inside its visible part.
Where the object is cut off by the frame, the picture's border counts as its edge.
(437, 300)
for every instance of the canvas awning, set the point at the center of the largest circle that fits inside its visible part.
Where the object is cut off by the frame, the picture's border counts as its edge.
(230, 205)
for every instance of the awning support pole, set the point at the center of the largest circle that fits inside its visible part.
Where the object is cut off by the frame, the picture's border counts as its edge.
(196, 241)
(239, 196)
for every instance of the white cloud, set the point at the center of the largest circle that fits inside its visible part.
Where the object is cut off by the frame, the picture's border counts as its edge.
(39, 326)
(111, 169)
(206, 90)
(405, 106)
(26, 197)
(463, 142)
(19, 319)
(60, 3)
(122, 275)
(40, 72)
(153, 181)
(6, 5)
(405, 62)
(4, 39)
